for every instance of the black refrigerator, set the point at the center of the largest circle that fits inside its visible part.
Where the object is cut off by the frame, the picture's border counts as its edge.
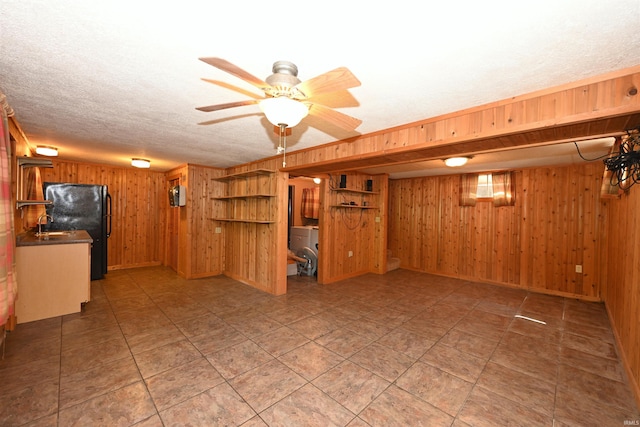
(82, 207)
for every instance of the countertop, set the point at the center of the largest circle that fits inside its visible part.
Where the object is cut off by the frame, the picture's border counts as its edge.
(75, 236)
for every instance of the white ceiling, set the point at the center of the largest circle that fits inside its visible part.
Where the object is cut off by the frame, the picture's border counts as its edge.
(108, 81)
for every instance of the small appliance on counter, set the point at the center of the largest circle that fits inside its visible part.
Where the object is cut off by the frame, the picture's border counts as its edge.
(82, 207)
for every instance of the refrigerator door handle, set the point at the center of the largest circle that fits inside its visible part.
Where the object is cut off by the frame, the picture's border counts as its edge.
(109, 215)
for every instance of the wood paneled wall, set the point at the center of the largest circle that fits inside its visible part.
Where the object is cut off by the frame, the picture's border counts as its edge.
(200, 250)
(622, 291)
(256, 253)
(346, 229)
(139, 205)
(556, 224)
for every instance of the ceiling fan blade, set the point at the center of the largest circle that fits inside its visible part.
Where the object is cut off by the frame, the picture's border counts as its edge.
(233, 88)
(338, 79)
(334, 117)
(230, 68)
(228, 105)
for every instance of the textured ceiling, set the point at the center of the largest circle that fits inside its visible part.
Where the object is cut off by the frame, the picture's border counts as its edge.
(107, 81)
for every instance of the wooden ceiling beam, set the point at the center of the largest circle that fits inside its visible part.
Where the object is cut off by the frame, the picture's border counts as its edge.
(596, 107)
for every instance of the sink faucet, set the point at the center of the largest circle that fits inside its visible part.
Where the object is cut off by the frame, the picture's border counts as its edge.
(45, 216)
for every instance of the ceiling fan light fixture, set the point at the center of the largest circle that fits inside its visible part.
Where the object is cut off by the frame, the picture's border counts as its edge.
(284, 110)
(454, 162)
(140, 163)
(46, 150)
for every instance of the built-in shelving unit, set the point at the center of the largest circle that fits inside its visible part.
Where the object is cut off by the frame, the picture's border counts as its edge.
(247, 197)
(26, 176)
(348, 205)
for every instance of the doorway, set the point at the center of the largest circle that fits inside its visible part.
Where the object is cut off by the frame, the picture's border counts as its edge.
(303, 227)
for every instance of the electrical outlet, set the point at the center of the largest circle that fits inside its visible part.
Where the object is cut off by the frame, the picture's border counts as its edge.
(218, 230)
(377, 219)
(578, 268)
(350, 254)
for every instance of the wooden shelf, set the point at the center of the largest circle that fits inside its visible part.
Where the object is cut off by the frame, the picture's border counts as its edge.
(255, 172)
(353, 207)
(251, 202)
(346, 190)
(253, 221)
(247, 196)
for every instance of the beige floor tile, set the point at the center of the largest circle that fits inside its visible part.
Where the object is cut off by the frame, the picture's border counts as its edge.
(88, 357)
(307, 407)
(200, 325)
(524, 389)
(218, 339)
(382, 361)
(474, 345)
(281, 341)
(594, 388)
(313, 327)
(609, 368)
(485, 324)
(410, 343)
(455, 362)
(589, 345)
(344, 342)
(160, 359)
(29, 403)
(220, 405)
(527, 363)
(311, 360)
(239, 358)
(351, 385)
(265, 385)
(183, 382)
(396, 407)
(486, 409)
(125, 406)
(444, 391)
(84, 385)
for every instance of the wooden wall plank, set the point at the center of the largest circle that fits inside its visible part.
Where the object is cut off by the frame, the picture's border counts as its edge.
(139, 204)
(535, 244)
(623, 275)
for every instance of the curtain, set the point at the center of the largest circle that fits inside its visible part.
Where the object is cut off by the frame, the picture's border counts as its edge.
(503, 193)
(609, 190)
(468, 188)
(310, 203)
(8, 287)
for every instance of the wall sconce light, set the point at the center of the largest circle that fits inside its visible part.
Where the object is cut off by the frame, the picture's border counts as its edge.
(141, 163)
(46, 150)
(454, 162)
(317, 180)
(625, 165)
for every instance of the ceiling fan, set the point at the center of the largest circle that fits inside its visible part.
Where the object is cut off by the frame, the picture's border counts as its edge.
(287, 99)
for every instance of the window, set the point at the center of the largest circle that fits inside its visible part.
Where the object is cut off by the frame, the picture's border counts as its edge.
(485, 186)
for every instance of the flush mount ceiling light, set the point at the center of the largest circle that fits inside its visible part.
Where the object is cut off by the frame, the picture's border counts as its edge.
(140, 163)
(284, 111)
(454, 162)
(47, 150)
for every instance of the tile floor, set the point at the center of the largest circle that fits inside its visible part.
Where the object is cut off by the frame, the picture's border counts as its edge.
(403, 349)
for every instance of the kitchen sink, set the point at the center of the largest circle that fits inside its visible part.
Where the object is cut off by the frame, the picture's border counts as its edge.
(53, 233)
